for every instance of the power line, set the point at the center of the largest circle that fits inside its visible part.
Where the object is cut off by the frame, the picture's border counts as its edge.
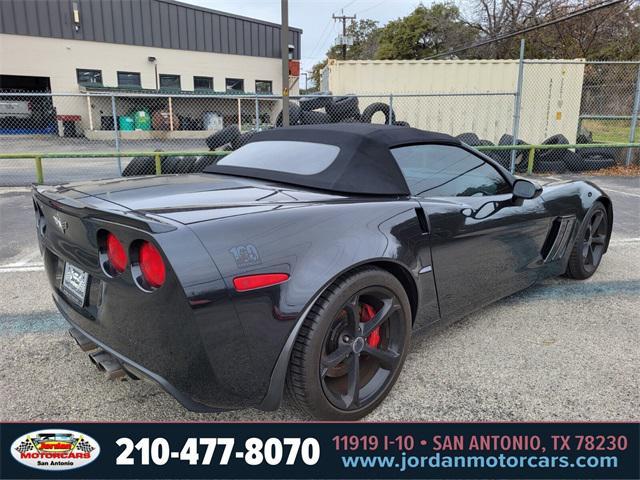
(372, 7)
(574, 14)
(349, 4)
(320, 38)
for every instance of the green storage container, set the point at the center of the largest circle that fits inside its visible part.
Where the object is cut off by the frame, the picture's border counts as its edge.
(126, 123)
(142, 120)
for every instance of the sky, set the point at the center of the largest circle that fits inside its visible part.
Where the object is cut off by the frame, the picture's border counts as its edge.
(314, 17)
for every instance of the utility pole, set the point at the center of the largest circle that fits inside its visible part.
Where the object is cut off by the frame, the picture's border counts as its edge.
(343, 18)
(284, 47)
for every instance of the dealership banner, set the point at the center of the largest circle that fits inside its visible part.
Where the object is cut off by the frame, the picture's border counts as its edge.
(320, 450)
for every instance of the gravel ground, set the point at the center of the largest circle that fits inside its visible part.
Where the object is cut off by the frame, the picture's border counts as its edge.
(561, 350)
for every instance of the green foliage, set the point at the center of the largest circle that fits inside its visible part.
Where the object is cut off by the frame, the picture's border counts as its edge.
(316, 74)
(424, 32)
(607, 34)
(365, 33)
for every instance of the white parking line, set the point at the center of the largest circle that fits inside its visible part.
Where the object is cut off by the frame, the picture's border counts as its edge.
(23, 268)
(618, 241)
(25, 260)
(606, 189)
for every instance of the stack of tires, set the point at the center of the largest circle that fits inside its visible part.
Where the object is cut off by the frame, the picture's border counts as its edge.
(581, 160)
(547, 160)
(320, 109)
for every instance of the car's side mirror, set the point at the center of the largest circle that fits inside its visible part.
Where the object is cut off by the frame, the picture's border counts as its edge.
(526, 189)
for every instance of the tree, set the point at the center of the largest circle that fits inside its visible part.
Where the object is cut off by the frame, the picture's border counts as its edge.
(493, 18)
(365, 33)
(611, 33)
(424, 32)
(365, 43)
(316, 74)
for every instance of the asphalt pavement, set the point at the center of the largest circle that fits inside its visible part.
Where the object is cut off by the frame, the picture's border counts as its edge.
(561, 350)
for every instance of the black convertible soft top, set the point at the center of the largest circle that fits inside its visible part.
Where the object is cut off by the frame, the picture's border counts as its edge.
(364, 164)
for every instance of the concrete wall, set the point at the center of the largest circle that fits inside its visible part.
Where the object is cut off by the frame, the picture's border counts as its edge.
(58, 60)
(550, 104)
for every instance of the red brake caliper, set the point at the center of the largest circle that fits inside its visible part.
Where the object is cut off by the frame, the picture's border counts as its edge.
(367, 314)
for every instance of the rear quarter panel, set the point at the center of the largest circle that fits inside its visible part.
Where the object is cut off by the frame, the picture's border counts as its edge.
(314, 244)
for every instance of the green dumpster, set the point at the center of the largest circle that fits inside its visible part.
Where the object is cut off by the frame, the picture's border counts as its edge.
(126, 123)
(142, 120)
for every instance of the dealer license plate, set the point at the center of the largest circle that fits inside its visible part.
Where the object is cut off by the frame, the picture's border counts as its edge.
(74, 283)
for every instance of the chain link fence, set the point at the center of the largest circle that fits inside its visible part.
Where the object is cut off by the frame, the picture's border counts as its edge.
(590, 107)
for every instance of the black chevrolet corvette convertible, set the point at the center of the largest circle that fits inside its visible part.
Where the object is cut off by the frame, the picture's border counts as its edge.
(303, 261)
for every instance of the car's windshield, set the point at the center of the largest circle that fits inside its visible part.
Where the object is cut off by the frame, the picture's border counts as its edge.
(300, 158)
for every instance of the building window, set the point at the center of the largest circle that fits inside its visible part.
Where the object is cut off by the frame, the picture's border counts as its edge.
(202, 83)
(129, 79)
(89, 77)
(264, 86)
(170, 81)
(234, 85)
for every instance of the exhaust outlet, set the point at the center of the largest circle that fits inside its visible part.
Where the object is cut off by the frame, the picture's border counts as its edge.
(83, 342)
(103, 360)
(107, 363)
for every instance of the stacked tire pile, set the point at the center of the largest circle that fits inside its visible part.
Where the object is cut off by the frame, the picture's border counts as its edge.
(172, 164)
(311, 110)
(556, 160)
(321, 109)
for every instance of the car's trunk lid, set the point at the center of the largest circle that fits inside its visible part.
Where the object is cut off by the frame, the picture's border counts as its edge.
(194, 198)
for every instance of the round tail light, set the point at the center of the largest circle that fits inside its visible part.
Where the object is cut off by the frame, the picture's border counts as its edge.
(116, 253)
(151, 265)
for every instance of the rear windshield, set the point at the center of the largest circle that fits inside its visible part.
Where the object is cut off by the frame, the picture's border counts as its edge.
(300, 158)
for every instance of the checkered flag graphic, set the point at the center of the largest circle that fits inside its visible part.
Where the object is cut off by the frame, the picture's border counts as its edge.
(84, 446)
(24, 446)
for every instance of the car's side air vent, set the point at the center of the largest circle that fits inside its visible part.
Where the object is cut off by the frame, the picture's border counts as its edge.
(422, 219)
(558, 238)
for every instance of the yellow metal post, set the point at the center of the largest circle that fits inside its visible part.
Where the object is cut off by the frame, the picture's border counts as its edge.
(532, 153)
(158, 164)
(39, 172)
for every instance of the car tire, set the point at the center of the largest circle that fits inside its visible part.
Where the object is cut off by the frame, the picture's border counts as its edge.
(223, 137)
(598, 152)
(203, 162)
(140, 166)
(598, 163)
(242, 140)
(590, 244)
(318, 372)
(314, 118)
(554, 155)
(343, 108)
(172, 164)
(315, 102)
(469, 138)
(294, 115)
(371, 110)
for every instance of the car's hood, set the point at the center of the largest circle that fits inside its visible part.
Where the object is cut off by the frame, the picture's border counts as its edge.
(198, 197)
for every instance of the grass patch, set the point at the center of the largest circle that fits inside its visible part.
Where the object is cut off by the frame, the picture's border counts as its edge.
(610, 131)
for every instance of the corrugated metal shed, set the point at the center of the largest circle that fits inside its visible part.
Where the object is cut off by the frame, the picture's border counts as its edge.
(551, 95)
(151, 23)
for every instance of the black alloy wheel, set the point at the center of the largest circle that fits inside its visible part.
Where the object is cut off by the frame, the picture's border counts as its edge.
(590, 245)
(362, 348)
(594, 240)
(351, 346)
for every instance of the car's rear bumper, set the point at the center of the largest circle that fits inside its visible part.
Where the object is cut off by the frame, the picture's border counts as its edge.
(182, 397)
